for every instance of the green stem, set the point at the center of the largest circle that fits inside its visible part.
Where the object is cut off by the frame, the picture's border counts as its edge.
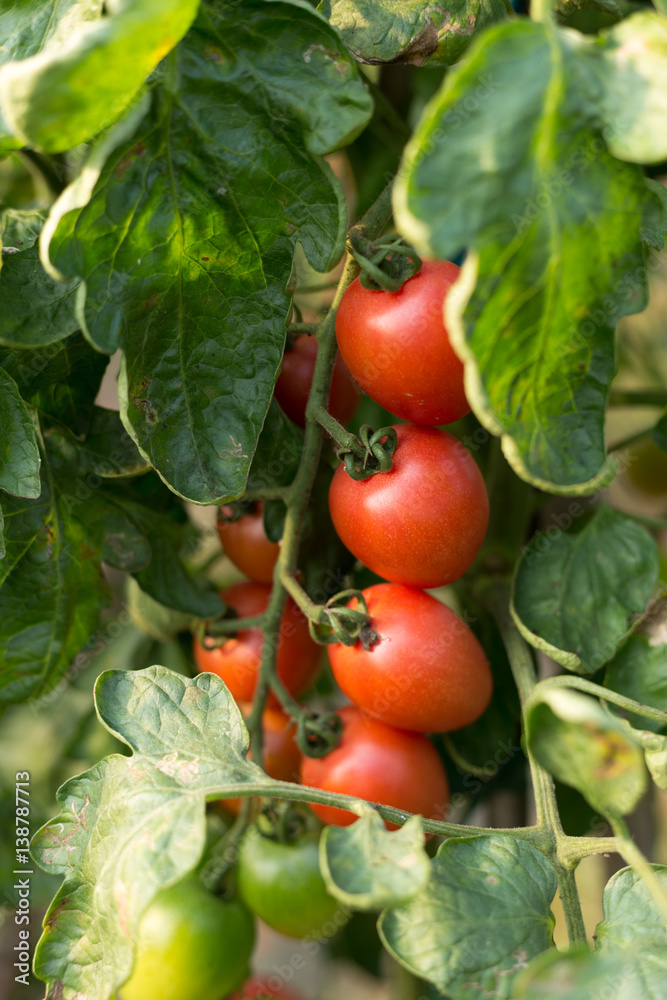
(573, 849)
(605, 694)
(344, 438)
(638, 397)
(270, 493)
(629, 851)
(301, 599)
(542, 10)
(630, 440)
(548, 823)
(228, 626)
(302, 327)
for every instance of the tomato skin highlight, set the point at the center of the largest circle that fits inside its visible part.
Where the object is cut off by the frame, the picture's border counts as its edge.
(422, 523)
(244, 542)
(397, 348)
(282, 885)
(237, 661)
(191, 945)
(427, 673)
(381, 764)
(296, 377)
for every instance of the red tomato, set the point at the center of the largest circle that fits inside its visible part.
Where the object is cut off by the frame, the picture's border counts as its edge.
(296, 378)
(397, 348)
(280, 750)
(237, 660)
(381, 764)
(427, 672)
(421, 524)
(267, 988)
(246, 545)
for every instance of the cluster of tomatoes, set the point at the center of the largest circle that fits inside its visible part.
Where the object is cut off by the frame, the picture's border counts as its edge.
(417, 668)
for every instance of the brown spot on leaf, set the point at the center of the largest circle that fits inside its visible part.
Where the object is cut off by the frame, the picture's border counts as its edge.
(205, 258)
(426, 42)
(51, 919)
(212, 53)
(124, 165)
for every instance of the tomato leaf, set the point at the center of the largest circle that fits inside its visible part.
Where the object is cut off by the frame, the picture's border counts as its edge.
(368, 867)
(19, 454)
(580, 974)
(639, 671)
(88, 73)
(34, 308)
(133, 825)
(585, 746)
(536, 202)
(415, 32)
(482, 916)
(630, 912)
(25, 28)
(197, 295)
(575, 593)
(630, 63)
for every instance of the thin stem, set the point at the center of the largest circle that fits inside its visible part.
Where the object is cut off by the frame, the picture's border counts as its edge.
(270, 493)
(605, 694)
(273, 619)
(342, 437)
(573, 849)
(228, 626)
(300, 597)
(628, 850)
(638, 397)
(304, 793)
(630, 440)
(569, 894)
(542, 10)
(302, 327)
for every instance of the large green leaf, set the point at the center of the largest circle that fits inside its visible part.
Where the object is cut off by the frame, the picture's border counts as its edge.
(19, 454)
(25, 28)
(85, 77)
(133, 825)
(639, 671)
(34, 308)
(187, 242)
(482, 916)
(416, 31)
(509, 161)
(575, 593)
(368, 867)
(585, 746)
(630, 62)
(630, 912)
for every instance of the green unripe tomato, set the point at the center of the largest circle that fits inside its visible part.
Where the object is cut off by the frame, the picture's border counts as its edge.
(282, 884)
(191, 946)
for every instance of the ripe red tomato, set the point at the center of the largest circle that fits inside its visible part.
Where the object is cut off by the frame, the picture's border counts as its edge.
(268, 988)
(397, 348)
(246, 545)
(280, 750)
(296, 378)
(237, 660)
(423, 522)
(377, 762)
(427, 673)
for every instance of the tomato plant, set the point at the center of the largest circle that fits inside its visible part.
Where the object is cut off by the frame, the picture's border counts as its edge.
(246, 544)
(397, 348)
(423, 522)
(296, 378)
(201, 203)
(382, 764)
(281, 883)
(237, 660)
(420, 646)
(190, 945)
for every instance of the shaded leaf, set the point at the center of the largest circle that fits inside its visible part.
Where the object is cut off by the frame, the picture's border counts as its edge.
(19, 455)
(108, 450)
(630, 912)
(175, 272)
(568, 7)
(583, 745)
(368, 867)
(575, 593)
(482, 916)
(34, 308)
(639, 671)
(509, 161)
(655, 226)
(133, 825)
(416, 31)
(84, 79)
